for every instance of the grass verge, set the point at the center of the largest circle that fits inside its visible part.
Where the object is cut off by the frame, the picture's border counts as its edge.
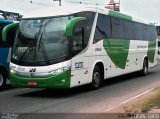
(152, 102)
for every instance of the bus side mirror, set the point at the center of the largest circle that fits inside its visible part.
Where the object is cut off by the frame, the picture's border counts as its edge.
(9, 31)
(70, 26)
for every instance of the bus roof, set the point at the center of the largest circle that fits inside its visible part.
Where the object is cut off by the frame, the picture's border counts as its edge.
(6, 21)
(58, 11)
(70, 9)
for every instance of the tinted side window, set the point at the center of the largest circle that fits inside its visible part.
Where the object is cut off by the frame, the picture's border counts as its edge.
(153, 32)
(146, 32)
(138, 30)
(117, 28)
(103, 28)
(128, 30)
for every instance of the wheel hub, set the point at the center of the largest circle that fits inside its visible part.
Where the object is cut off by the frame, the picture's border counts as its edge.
(96, 79)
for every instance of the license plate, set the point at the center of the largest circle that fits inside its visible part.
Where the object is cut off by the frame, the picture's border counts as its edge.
(32, 83)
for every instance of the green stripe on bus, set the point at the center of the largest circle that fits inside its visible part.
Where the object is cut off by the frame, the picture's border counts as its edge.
(119, 15)
(151, 51)
(55, 81)
(117, 49)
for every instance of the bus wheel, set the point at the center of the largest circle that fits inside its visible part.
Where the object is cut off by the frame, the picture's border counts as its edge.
(2, 80)
(145, 67)
(96, 78)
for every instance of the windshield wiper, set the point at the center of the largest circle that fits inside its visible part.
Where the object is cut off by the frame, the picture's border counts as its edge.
(26, 50)
(22, 56)
(41, 44)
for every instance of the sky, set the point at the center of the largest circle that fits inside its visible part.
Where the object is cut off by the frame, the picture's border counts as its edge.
(144, 9)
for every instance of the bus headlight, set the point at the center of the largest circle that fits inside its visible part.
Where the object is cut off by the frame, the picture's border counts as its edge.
(12, 71)
(60, 70)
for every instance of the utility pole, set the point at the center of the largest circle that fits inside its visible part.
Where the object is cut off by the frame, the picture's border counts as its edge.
(59, 2)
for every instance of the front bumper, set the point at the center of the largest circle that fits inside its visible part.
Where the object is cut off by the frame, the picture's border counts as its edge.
(61, 80)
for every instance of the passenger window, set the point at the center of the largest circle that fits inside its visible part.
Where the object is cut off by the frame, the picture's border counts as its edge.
(128, 30)
(117, 28)
(146, 32)
(153, 32)
(103, 28)
(138, 30)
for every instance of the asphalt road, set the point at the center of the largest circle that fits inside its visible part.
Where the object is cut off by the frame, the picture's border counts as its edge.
(78, 100)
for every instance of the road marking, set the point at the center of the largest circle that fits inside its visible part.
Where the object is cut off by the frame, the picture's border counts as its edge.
(130, 99)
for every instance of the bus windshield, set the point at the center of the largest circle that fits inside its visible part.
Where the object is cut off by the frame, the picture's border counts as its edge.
(41, 41)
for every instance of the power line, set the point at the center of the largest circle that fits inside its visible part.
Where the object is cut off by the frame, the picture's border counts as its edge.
(84, 2)
(60, 2)
(40, 3)
(75, 2)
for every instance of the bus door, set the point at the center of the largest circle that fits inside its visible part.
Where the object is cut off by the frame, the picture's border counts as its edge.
(78, 45)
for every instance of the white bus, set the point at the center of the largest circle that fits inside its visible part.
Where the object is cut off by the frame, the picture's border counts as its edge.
(65, 47)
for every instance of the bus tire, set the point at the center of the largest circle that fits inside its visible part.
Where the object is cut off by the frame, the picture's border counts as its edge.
(96, 78)
(145, 67)
(2, 80)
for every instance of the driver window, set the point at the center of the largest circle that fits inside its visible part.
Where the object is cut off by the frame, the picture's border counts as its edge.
(82, 31)
(78, 40)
